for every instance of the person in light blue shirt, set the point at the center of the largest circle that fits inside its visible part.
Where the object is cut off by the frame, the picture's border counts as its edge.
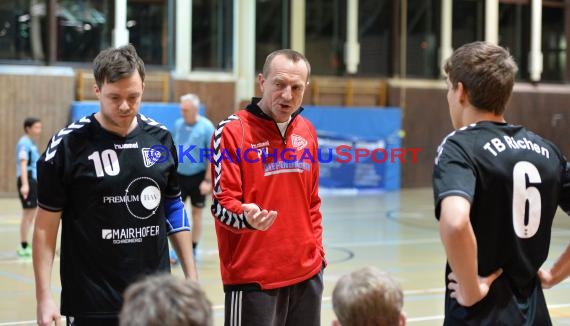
(192, 133)
(27, 155)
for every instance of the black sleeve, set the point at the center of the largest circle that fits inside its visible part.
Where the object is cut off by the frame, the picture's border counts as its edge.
(564, 199)
(51, 189)
(172, 188)
(453, 174)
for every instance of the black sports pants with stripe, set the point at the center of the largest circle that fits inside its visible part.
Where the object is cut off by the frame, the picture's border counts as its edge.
(298, 304)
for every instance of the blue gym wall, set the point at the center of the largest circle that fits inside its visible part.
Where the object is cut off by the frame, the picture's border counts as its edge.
(349, 126)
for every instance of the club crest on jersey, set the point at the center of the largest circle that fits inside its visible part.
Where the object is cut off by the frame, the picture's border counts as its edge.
(151, 156)
(298, 142)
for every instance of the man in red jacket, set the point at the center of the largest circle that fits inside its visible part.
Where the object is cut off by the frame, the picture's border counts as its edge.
(266, 203)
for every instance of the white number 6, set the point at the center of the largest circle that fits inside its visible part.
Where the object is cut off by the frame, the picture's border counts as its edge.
(522, 194)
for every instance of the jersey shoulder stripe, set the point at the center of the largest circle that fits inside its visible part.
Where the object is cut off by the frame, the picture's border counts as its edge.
(58, 137)
(451, 134)
(151, 122)
(217, 150)
(238, 221)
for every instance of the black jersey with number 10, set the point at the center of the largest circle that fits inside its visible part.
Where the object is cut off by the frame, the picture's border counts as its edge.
(110, 190)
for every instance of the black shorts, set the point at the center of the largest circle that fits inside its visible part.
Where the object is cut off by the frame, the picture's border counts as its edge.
(501, 306)
(32, 200)
(190, 187)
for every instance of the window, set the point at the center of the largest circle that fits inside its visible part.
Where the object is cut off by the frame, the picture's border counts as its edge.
(325, 36)
(553, 44)
(375, 21)
(147, 25)
(21, 26)
(82, 29)
(271, 28)
(424, 19)
(468, 23)
(514, 33)
(212, 35)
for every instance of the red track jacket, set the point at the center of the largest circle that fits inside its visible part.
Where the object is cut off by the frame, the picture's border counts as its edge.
(255, 164)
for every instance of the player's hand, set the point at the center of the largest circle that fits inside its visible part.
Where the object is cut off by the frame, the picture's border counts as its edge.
(546, 278)
(48, 313)
(205, 187)
(25, 190)
(484, 284)
(257, 218)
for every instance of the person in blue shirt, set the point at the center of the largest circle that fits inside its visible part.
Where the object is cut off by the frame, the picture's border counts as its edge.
(192, 133)
(27, 155)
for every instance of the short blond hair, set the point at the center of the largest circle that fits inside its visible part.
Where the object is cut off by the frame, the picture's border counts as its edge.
(368, 296)
(165, 299)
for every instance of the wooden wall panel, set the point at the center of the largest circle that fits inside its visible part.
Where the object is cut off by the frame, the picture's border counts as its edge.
(47, 97)
(218, 97)
(425, 123)
(542, 109)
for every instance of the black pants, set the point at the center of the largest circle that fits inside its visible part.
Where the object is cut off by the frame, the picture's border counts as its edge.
(298, 304)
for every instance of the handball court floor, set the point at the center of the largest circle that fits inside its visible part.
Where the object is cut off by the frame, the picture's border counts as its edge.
(394, 231)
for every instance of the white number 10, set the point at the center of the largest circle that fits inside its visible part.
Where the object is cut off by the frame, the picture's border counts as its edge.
(107, 162)
(522, 194)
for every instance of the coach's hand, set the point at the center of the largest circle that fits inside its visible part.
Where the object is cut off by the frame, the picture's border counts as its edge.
(257, 218)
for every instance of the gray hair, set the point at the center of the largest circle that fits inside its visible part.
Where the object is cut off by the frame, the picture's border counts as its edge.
(289, 54)
(192, 98)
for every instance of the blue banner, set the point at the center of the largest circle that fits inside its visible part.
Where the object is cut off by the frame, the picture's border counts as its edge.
(362, 142)
(357, 145)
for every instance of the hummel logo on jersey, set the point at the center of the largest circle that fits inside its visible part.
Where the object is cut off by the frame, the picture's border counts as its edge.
(126, 146)
(260, 145)
(298, 142)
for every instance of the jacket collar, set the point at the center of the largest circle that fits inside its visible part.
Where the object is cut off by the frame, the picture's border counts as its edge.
(256, 110)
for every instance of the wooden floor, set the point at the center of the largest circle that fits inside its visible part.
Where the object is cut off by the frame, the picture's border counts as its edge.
(394, 231)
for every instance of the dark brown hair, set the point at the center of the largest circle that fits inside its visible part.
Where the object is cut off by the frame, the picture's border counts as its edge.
(113, 64)
(487, 72)
(29, 122)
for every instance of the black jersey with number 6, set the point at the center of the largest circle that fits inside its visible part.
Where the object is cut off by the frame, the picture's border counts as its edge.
(110, 190)
(512, 178)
